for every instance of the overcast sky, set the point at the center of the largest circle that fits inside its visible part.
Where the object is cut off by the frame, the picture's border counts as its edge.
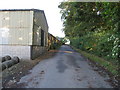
(50, 8)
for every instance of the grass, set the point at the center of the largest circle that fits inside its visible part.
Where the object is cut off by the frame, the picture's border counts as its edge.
(104, 63)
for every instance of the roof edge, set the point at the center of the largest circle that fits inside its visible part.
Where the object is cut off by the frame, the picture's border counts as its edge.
(21, 10)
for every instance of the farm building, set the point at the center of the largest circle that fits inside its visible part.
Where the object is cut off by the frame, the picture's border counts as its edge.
(23, 33)
(52, 40)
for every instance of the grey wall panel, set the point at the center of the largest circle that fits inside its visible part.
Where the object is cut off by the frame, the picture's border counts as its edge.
(39, 23)
(39, 19)
(16, 27)
(36, 35)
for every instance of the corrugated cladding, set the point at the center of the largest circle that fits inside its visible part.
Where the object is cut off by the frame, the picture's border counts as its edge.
(39, 24)
(16, 27)
(23, 27)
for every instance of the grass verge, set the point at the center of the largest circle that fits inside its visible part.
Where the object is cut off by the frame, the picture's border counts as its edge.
(107, 65)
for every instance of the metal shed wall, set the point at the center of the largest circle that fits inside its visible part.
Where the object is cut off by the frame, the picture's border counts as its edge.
(16, 27)
(20, 33)
(39, 24)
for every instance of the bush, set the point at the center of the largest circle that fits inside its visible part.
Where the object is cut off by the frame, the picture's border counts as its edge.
(55, 45)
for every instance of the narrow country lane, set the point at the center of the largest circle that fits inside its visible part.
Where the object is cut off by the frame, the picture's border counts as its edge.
(67, 69)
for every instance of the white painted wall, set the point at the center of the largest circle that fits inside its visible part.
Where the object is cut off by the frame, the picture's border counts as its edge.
(23, 52)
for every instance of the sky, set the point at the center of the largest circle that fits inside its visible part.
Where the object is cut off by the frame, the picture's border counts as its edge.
(50, 8)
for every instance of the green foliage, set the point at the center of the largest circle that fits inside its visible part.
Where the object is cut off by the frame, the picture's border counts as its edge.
(63, 40)
(93, 27)
(55, 46)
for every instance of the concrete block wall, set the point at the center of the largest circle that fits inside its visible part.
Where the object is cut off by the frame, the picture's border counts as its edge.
(36, 51)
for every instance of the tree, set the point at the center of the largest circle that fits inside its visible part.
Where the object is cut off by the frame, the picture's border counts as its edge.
(93, 27)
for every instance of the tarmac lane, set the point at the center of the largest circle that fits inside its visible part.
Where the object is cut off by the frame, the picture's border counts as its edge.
(67, 69)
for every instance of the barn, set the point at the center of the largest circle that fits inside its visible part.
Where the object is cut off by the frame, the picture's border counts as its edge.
(23, 33)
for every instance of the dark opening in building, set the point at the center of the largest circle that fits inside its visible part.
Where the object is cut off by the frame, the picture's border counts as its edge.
(42, 38)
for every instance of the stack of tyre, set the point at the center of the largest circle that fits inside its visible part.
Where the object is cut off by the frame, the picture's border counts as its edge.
(7, 62)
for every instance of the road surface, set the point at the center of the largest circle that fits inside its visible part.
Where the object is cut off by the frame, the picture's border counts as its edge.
(67, 69)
